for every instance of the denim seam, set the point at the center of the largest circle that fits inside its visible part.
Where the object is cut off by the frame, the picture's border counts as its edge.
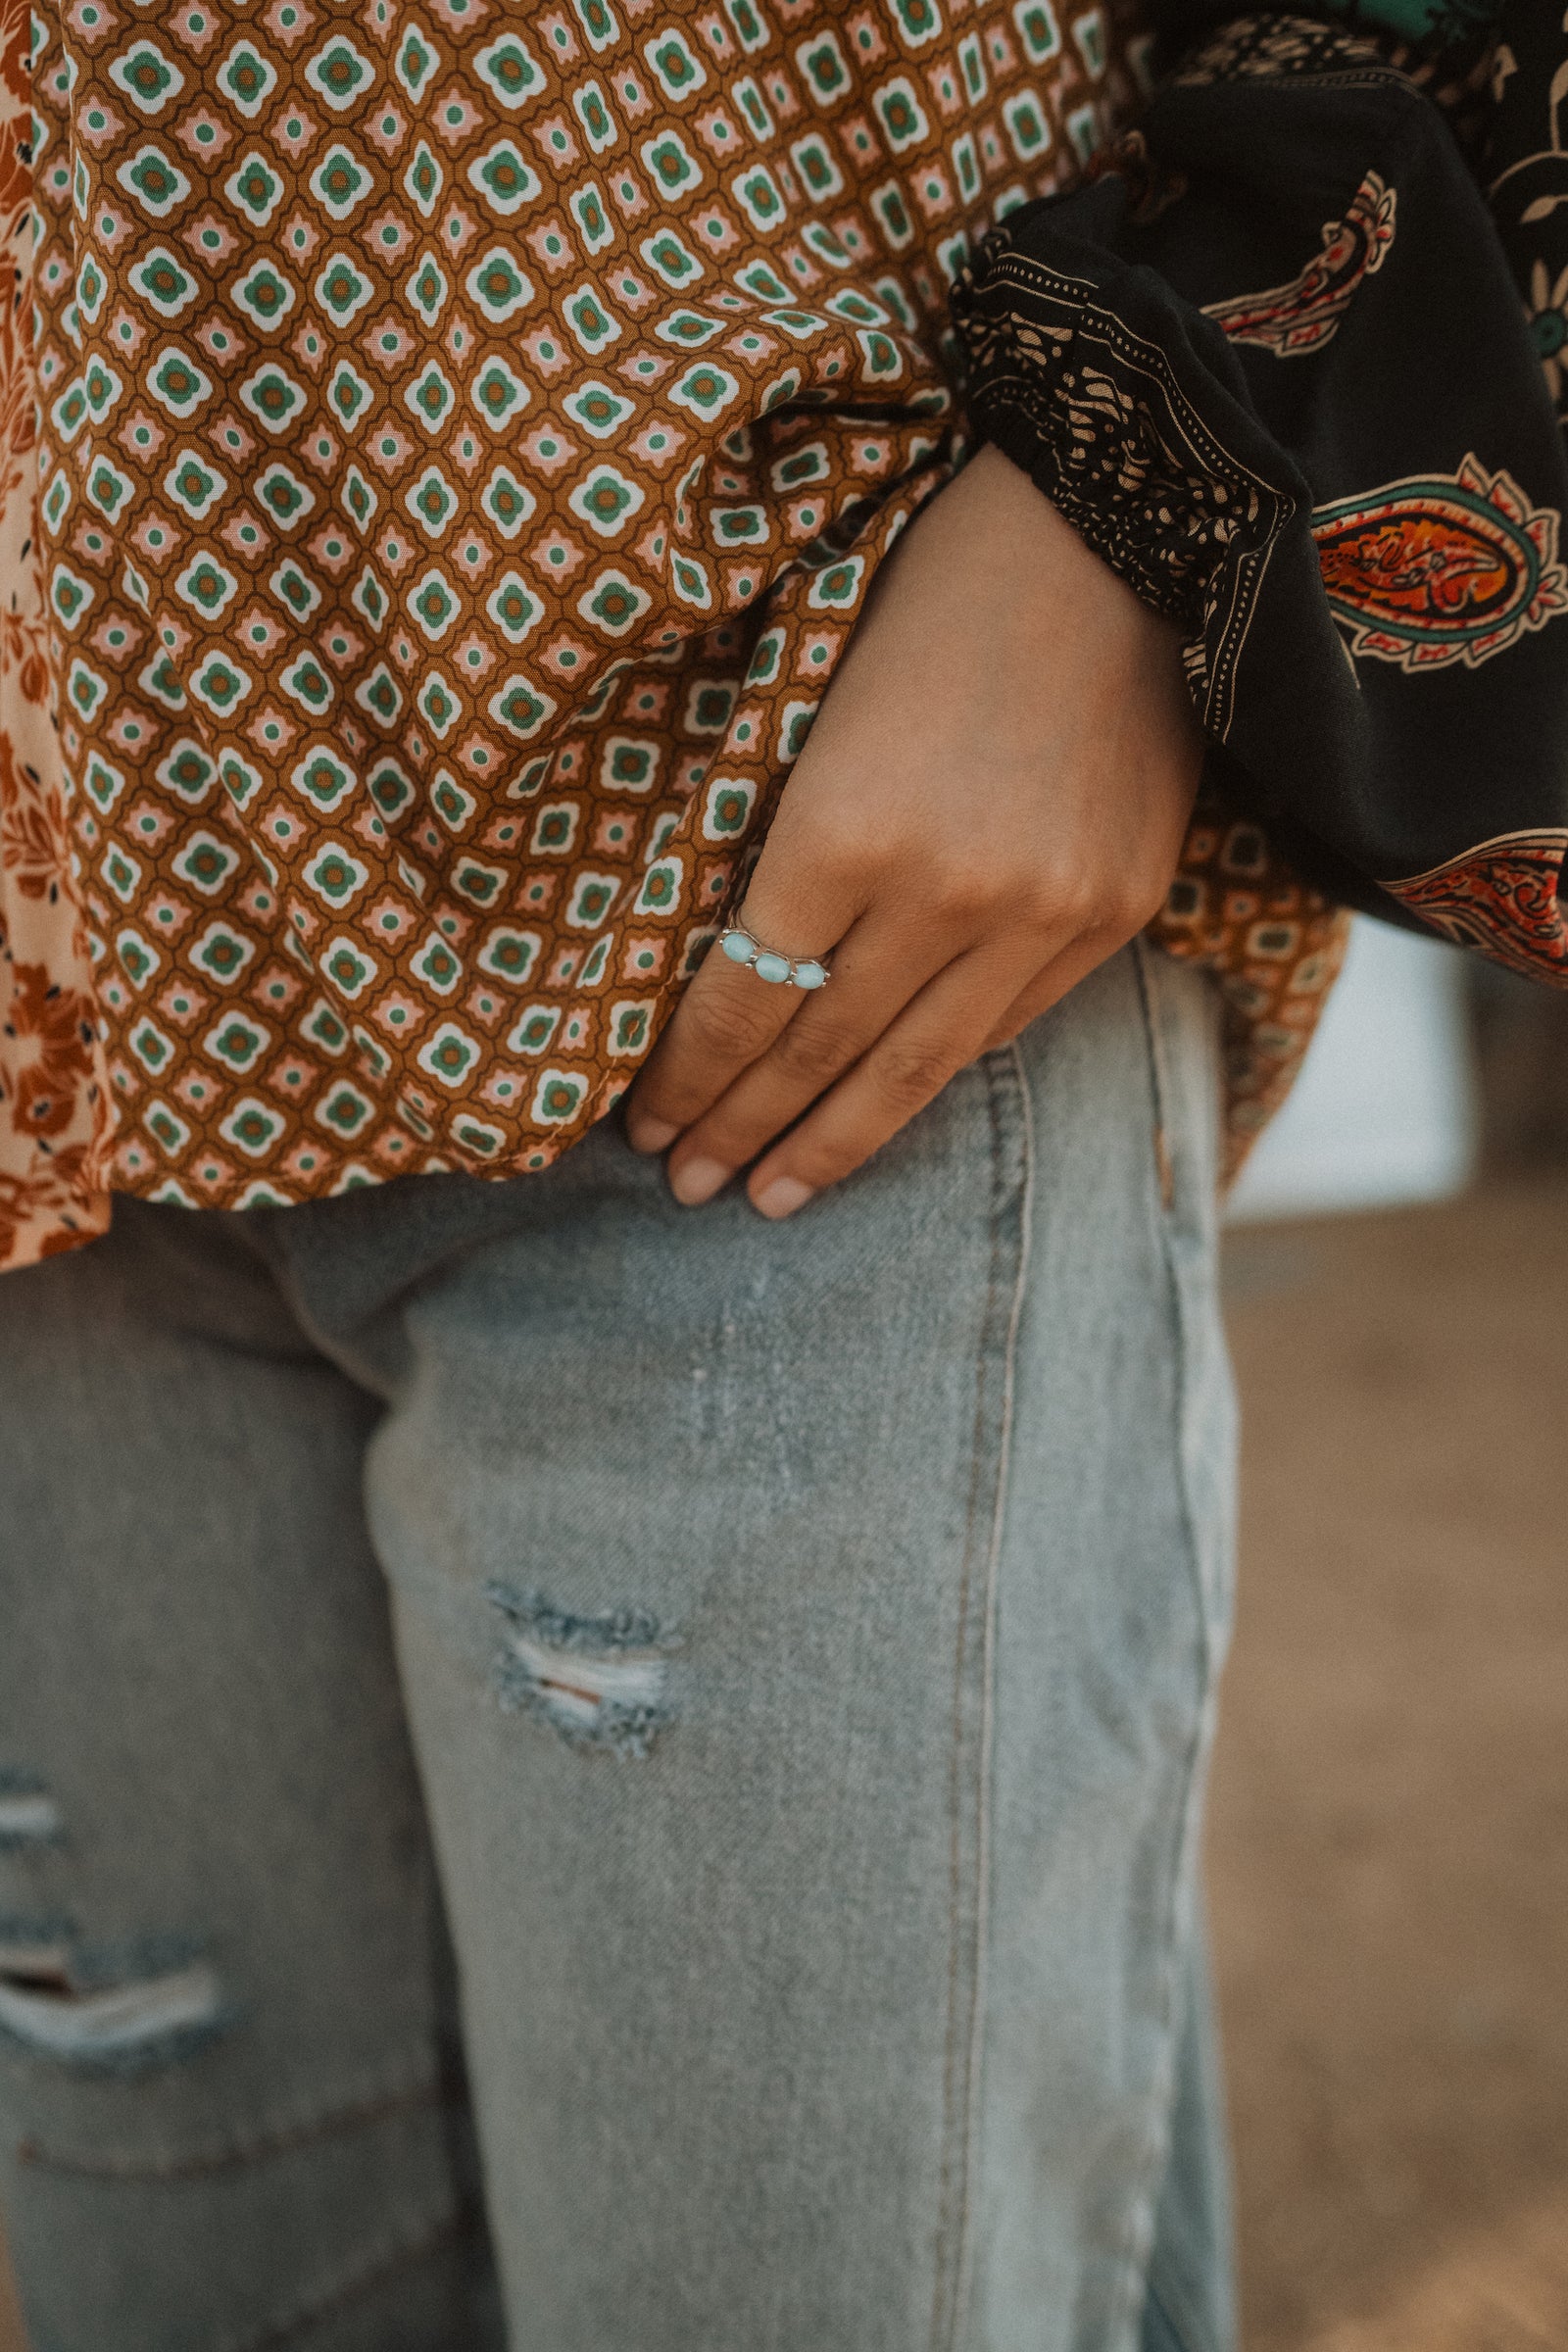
(417, 2241)
(1009, 1240)
(1183, 2333)
(1181, 2337)
(988, 1714)
(1159, 1075)
(354, 2111)
(1138, 2237)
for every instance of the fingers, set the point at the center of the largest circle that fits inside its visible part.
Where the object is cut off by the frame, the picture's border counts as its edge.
(1048, 986)
(725, 1019)
(729, 1015)
(876, 973)
(935, 1037)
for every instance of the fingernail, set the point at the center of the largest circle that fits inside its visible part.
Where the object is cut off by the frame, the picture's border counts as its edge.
(783, 1197)
(650, 1135)
(698, 1180)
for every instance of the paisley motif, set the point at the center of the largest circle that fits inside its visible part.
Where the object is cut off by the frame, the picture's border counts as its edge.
(1440, 569)
(1500, 897)
(1293, 319)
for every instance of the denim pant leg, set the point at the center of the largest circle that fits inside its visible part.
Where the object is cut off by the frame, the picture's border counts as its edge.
(808, 1634)
(231, 2105)
(1190, 2303)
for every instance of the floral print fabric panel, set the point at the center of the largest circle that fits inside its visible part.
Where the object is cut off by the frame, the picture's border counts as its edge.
(1292, 261)
(468, 436)
(52, 1192)
(1528, 173)
(1512, 55)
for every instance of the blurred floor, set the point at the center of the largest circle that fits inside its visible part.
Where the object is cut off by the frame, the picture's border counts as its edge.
(1390, 1848)
(1390, 1841)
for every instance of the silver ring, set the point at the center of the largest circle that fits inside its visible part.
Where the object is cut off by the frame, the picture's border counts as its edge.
(803, 973)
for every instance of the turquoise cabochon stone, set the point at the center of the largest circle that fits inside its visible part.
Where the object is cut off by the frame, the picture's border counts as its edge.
(736, 947)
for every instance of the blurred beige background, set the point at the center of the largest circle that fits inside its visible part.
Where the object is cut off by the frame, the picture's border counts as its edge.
(1389, 1854)
(1389, 1850)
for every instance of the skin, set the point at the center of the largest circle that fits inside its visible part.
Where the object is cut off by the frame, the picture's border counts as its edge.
(992, 802)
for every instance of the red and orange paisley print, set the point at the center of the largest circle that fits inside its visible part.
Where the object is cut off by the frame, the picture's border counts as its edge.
(1441, 568)
(1293, 320)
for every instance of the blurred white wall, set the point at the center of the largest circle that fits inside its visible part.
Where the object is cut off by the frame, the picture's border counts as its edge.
(1384, 1108)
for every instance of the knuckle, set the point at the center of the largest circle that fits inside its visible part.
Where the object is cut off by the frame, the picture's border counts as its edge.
(812, 1054)
(908, 1076)
(727, 1027)
(713, 1037)
(967, 894)
(1038, 902)
(1137, 898)
(1076, 901)
(1053, 892)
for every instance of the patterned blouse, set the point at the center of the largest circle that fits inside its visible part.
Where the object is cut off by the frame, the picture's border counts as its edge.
(443, 451)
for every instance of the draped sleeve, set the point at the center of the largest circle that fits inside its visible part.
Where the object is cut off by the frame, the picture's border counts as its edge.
(1274, 366)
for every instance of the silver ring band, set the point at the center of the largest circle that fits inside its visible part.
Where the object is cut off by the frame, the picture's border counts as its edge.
(782, 971)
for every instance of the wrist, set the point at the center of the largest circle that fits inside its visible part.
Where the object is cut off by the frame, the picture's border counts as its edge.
(1009, 545)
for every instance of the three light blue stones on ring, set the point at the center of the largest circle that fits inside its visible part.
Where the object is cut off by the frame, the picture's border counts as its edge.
(741, 948)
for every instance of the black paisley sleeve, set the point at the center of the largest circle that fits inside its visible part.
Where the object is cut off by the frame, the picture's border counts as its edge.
(1274, 365)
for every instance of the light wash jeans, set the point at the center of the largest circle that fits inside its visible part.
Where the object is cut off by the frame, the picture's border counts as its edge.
(592, 1774)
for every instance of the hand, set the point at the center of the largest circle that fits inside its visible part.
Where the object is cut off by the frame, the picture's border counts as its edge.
(992, 800)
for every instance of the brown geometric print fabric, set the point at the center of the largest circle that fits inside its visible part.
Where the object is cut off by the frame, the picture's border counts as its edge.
(467, 436)
(52, 1094)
